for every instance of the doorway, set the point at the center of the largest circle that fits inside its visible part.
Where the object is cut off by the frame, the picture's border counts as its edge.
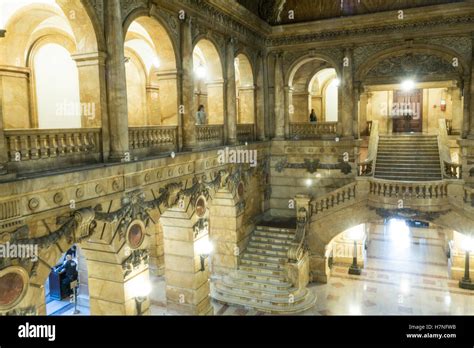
(407, 111)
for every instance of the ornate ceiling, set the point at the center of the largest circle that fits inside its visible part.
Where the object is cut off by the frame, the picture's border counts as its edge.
(277, 11)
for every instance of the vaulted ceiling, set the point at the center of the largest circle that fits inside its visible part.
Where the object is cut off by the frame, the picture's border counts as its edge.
(277, 11)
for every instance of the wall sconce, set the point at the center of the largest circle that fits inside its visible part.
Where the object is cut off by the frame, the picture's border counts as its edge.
(468, 246)
(204, 249)
(443, 104)
(140, 290)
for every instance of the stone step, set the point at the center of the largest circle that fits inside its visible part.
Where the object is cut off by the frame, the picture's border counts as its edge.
(289, 235)
(228, 285)
(429, 171)
(407, 179)
(266, 245)
(275, 271)
(274, 240)
(264, 251)
(263, 257)
(299, 304)
(268, 264)
(270, 278)
(275, 229)
(257, 283)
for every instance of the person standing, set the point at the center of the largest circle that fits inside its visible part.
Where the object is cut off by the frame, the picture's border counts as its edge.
(201, 115)
(312, 116)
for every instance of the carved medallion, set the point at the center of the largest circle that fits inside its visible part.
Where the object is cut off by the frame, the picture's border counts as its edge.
(13, 286)
(135, 234)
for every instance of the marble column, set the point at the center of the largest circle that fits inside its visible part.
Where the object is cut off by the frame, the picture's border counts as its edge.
(288, 104)
(355, 112)
(470, 101)
(279, 94)
(364, 99)
(260, 100)
(188, 120)
(466, 131)
(116, 82)
(3, 145)
(231, 93)
(457, 110)
(347, 102)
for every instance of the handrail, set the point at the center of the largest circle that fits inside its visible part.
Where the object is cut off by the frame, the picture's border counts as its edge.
(297, 248)
(367, 167)
(449, 169)
(333, 198)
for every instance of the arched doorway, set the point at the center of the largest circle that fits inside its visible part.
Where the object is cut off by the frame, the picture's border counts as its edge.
(151, 74)
(50, 65)
(209, 82)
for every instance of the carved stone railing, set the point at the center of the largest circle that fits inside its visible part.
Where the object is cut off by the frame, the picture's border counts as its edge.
(450, 169)
(296, 249)
(424, 190)
(34, 144)
(367, 167)
(210, 134)
(334, 198)
(148, 137)
(246, 132)
(318, 130)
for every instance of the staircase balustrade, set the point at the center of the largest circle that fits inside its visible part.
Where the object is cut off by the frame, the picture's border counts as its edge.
(210, 133)
(307, 130)
(334, 198)
(366, 168)
(426, 190)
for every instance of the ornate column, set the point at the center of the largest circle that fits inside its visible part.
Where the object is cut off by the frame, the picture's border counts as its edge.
(279, 97)
(188, 121)
(457, 110)
(288, 104)
(347, 102)
(3, 147)
(116, 82)
(231, 94)
(363, 101)
(355, 116)
(466, 127)
(260, 100)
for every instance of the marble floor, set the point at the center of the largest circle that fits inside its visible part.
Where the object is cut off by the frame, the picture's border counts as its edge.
(404, 274)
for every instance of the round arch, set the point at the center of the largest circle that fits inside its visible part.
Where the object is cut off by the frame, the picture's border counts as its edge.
(208, 67)
(300, 61)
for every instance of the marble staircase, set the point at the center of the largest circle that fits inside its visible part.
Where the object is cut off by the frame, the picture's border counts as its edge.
(260, 281)
(408, 158)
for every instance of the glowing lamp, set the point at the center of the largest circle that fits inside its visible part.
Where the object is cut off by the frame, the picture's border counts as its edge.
(408, 85)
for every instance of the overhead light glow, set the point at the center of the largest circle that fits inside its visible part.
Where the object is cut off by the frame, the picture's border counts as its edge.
(309, 182)
(468, 243)
(337, 82)
(156, 62)
(204, 246)
(408, 85)
(201, 72)
(356, 232)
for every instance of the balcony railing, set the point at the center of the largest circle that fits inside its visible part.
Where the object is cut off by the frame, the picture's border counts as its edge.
(28, 145)
(148, 140)
(209, 135)
(319, 130)
(246, 132)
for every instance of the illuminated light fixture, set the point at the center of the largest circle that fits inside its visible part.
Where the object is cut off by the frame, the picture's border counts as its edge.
(309, 182)
(468, 246)
(408, 85)
(204, 249)
(140, 291)
(156, 62)
(442, 104)
(201, 71)
(337, 82)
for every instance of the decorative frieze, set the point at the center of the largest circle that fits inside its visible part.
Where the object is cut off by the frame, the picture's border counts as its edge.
(312, 166)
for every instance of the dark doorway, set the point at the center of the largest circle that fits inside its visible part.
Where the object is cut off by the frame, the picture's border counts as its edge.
(407, 111)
